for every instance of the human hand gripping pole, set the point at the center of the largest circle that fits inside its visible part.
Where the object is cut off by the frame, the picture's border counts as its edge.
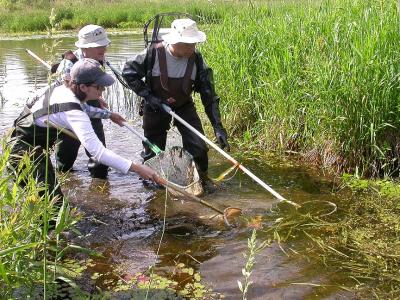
(222, 138)
(230, 158)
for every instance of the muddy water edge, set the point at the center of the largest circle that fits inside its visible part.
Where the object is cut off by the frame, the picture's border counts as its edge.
(135, 227)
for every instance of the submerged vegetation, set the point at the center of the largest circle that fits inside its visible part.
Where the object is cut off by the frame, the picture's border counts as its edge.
(361, 241)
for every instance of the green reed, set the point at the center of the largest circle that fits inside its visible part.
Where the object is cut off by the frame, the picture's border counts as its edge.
(26, 242)
(313, 76)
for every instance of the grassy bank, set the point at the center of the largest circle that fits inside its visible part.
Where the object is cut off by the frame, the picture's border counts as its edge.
(32, 16)
(318, 78)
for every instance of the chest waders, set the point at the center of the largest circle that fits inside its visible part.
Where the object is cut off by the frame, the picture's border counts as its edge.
(157, 123)
(30, 138)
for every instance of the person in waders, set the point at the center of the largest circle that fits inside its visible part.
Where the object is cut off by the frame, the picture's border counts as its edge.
(92, 43)
(172, 70)
(63, 109)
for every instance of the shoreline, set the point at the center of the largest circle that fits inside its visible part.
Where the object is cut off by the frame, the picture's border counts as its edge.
(59, 34)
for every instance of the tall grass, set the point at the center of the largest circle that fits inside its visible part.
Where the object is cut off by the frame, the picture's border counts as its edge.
(26, 242)
(21, 17)
(315, 77)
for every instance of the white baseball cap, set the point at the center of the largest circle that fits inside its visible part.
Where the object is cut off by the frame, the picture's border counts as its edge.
(92, 36)
(184, 31)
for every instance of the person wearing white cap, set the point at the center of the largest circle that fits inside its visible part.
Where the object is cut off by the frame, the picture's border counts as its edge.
(92, 43)
(172, 70)
(32, 133)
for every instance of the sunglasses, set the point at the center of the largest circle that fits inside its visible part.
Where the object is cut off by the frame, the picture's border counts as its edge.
(98, 87)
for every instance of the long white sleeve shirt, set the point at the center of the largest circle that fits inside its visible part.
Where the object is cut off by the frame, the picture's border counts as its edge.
(93, 112)
(79, 123)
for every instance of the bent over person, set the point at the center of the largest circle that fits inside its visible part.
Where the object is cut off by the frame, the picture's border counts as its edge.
(92, 43)
(172, 70)
(35, 129)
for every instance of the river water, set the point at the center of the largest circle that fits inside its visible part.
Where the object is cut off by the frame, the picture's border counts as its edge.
(124, 220)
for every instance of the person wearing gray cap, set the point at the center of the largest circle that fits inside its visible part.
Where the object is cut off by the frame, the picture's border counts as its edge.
(172, 71)
(37, 127)
(92, 43)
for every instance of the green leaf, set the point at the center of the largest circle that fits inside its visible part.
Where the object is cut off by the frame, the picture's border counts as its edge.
(17, 248)
(3, 273)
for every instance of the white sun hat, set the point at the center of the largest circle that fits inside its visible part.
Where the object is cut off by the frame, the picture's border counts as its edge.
(184, 31)
(92, 36)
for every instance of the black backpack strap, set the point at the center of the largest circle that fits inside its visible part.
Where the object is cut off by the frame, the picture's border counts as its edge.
(55, 108)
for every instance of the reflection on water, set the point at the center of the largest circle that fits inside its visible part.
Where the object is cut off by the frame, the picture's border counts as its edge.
(21, 74)
(124, 220)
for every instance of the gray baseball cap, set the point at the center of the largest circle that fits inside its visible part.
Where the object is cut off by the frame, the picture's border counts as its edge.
(90, 71)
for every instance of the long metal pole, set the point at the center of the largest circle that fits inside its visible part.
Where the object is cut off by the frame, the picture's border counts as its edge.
(226, 155)
(153, 147)
(38, 59)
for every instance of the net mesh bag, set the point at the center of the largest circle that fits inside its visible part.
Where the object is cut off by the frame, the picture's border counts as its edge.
(177, 166)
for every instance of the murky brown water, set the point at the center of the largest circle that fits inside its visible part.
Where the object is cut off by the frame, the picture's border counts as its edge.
(124, 220)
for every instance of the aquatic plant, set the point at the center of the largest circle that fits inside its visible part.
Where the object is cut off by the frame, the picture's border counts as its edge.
(2, 99)
(361, 240)
(250, 261)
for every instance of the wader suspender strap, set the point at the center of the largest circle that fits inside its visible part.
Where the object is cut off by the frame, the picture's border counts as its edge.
(55, 108)
(162, 62)
(187, 79)
(46, 95)
(150, 59)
